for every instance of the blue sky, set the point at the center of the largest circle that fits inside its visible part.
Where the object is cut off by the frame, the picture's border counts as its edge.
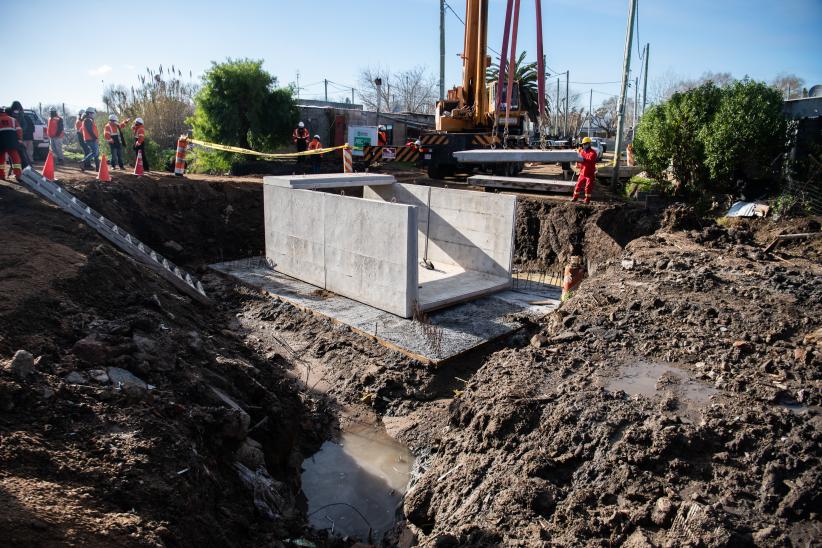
(108, 42)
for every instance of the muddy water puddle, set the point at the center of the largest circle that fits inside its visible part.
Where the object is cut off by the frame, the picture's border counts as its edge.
(653, 379)
(356, 483)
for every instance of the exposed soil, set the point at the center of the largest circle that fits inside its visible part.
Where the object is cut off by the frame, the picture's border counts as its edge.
(517, 444)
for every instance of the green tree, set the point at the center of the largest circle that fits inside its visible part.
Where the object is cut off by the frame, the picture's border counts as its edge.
(526, 75)
(746, 137)
(239, 104)
(652, 143)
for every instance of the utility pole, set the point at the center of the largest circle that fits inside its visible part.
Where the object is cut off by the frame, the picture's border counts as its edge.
(352, 96)
(626, 69)
(325, 81)
(567, 103)
(590, 110)
(636, 103)
(645, 78)
(557, 132)
(378, 83)
(298, 84)
(442, 50)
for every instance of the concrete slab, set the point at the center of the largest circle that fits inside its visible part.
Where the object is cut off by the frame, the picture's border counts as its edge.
(522, 183)
(482, 156)
(446, 334)
(328, 180)
(447, 285)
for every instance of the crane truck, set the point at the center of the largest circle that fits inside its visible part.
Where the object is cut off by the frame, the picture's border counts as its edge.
(468, 118)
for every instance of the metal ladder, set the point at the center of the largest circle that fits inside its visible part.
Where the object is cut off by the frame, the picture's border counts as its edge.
(56, 194)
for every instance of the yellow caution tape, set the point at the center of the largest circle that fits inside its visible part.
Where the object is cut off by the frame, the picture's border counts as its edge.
(239, 150)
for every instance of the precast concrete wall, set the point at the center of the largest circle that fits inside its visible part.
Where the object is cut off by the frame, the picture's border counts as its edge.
(472, 230)
(365, 250)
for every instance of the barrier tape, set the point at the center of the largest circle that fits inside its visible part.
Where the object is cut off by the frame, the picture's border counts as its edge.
(239, 150)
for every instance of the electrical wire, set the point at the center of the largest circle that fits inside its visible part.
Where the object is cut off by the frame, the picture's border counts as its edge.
(640, 51)
(447, 5)
(596, 83)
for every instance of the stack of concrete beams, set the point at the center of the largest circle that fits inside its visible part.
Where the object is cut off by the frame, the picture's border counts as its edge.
(502, 155)
(116, 235)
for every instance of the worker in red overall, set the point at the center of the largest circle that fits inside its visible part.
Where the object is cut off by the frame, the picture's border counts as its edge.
(10, 136)
(587, 170)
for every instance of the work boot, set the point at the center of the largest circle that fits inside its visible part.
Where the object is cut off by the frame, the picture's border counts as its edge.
(587, 200)
(574, 198)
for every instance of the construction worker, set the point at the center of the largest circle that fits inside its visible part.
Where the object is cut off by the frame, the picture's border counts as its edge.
(315, 144)
(78, 130)
(301, 138)
(10, 136)
(26, 146)
(90, 137)
(140, 141)
(587, 164)
(114, 137)
(56, 133)
(382, 136)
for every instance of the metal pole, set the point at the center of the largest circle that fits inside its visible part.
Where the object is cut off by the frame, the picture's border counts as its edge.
(626, 69)
(636, 102)
(379, 88)
(325, 81)
(567, 103)
(352, 96)
(645, 77)
(590, 110)
(540, 65)
(788, 96)
(442, 49)
(557, 127)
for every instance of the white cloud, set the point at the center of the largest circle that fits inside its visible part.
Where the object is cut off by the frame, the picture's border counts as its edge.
(99, 71)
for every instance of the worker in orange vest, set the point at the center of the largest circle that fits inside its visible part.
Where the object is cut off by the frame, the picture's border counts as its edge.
(382, 136)
(114, 137)
(90, 136)
(301, 138)
(315, 144)
(140, 141)
(587, 170)
(56, 133)
(10, 136)
(78, 130)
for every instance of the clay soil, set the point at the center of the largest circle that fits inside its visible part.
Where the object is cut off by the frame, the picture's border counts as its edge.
(536, 440)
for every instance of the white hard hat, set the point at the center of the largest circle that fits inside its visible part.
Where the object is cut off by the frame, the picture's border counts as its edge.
(301, 124)
(417, 142)
(138, 120)
(317, 137)
(81, 112)
(91, 110)
(112, 117)
(382, 127)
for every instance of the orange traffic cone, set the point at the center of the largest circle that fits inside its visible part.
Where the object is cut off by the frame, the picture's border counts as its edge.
(138, 165)
(48, 167)
(103, 174)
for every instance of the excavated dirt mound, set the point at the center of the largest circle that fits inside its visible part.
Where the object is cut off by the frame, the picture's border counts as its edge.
(548, 233)
(674, 400)
(139, 415)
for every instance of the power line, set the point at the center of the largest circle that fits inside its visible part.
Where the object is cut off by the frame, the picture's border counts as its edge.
(447, 5)
(596, 83)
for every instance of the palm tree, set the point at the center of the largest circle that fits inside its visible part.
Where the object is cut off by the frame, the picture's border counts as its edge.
(526, 75)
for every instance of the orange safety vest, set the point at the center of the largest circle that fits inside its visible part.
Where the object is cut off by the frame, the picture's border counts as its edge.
(93, 135)
(315, 145)
(301, 133)
(9, 126)
(112, 129)
(139, 134)
(382, 138)
(52, 127)
(78, 125)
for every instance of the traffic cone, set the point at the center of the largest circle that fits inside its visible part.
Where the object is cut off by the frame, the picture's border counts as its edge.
(138, 165)
(48, 167)
(103, 175)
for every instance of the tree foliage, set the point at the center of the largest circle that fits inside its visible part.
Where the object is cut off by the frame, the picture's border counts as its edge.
(790, 85)
(239, 104)
(526, 74)
(711, 136)
(413, 90)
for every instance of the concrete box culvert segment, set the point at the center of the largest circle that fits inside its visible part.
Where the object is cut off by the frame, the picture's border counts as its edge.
(369, 249)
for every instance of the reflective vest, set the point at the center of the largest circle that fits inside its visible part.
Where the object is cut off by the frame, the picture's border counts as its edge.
(382, 138)
(112, 130)
(301, 133)
(54, 124)
(78, 126)
(588, 163)
(90, 132)
(315, 145)
(10, 131)
(139, 134)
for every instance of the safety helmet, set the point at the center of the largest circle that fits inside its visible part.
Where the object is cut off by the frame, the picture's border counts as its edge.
(112, 117)
(586, 140)
(417, 143)
(317, 137)
(382, 128)
(138, 121)
(53, 112)
(301, 124)
(81, 112)
(91, 110)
